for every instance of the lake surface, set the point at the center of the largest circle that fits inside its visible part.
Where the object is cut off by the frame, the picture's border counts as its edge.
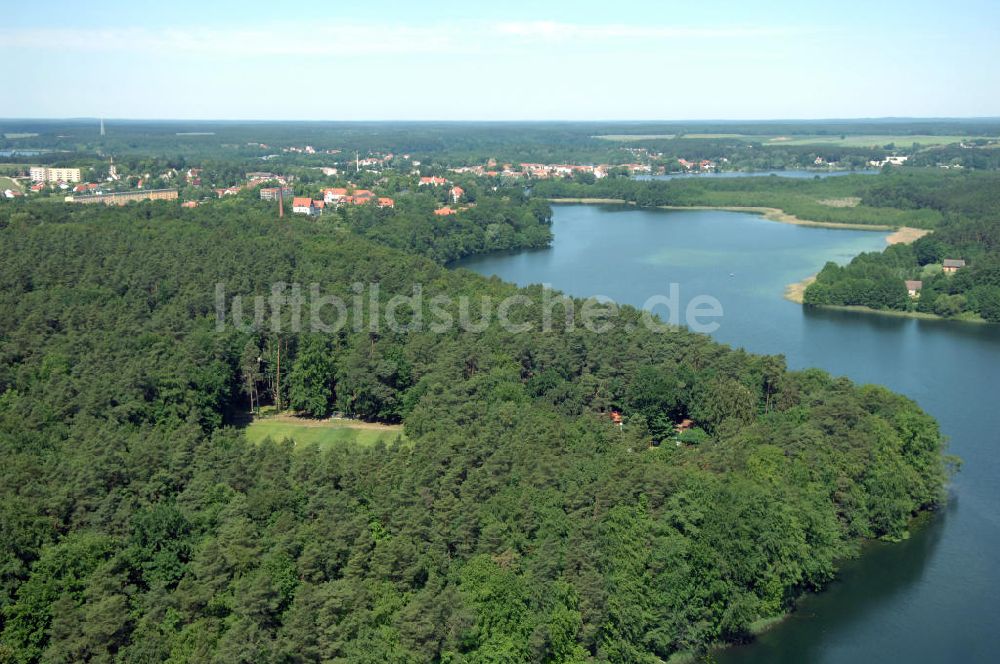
(756, 174)
(932, 598)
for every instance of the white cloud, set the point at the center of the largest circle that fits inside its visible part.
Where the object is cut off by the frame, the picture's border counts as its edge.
(353, 39)
(242, 42)
(549, 30)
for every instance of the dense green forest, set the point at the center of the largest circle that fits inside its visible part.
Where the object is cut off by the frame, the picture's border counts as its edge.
(515, 522)
(501, 221)
(745, 145)
(969, 230)
(493, 224)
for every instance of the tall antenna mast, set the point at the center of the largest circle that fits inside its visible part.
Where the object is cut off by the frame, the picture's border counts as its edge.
(102, 126)
(357, 162)
(281, 201)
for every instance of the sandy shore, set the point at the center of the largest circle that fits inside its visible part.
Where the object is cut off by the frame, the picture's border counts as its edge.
(796, 292)
(906, 235)
(774, 214)
(903, 235)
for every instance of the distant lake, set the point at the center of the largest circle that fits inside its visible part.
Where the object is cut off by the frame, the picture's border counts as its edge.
(22, 153)
(932, 598)
(756, 174)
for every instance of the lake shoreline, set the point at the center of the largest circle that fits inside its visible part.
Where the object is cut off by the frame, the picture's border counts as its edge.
(795, 292)
(872, 353)
(901, 234)
(919, 315)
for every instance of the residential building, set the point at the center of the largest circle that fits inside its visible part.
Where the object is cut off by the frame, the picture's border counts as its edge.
(334, 195)
(228, 191)
(456, 193)
(434, 181)
(913, 287)
(952, 265)
(386, 202)
(362, 196)
(272, 193)
(123, 197)
(306, 205)
(444, 211)
(46, 174)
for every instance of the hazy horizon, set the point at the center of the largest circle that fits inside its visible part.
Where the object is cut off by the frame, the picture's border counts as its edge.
(624, 121)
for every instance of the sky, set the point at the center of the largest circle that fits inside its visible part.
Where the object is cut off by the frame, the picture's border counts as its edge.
(511, 60)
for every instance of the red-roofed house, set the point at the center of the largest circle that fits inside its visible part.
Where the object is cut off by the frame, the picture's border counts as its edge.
(228, 191)
(362, 196)
(334, 194)
(304, 205)
(444, 212)
(457, 193)
(384, 202)
(189, 204)
(38, 186)
(433, 181)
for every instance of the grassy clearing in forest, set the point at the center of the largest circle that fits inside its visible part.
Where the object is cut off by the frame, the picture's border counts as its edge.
(325, 433)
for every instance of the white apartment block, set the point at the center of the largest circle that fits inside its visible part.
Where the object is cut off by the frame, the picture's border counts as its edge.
(45, 174)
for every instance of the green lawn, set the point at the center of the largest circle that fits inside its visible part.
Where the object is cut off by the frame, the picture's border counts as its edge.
(7, 183)
(323, 433)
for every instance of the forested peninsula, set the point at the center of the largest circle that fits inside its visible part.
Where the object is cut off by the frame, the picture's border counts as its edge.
(538, 506)
(952, 272)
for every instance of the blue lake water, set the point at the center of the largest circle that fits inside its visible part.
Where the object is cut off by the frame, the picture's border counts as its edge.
(932, 598)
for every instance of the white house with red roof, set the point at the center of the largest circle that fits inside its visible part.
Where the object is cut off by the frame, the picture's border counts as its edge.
(433, 181)
(307, 206)
(334, 195)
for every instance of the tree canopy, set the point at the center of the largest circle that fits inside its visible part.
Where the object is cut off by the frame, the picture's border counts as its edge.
(516, 522)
